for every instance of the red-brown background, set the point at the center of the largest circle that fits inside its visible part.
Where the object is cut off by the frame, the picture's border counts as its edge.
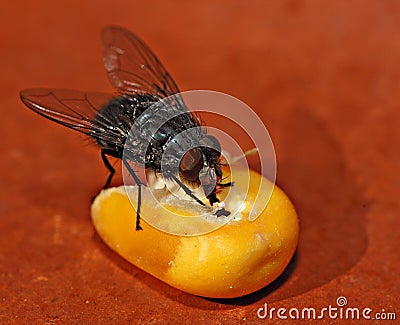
(324, 76)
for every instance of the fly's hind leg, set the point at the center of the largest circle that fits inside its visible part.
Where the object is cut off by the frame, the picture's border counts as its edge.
(139, 199)
(104, 153)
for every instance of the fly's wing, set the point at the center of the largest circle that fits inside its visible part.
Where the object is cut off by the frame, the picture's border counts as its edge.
(133, 68)
(77, 110)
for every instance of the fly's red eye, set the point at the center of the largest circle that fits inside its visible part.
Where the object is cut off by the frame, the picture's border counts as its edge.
(212, 144)
(191, 164)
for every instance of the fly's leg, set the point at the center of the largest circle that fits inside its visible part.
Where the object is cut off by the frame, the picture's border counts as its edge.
(104, 153)
(187, 190)
(110, 168)
(226, 184)
(139, 199)
(212, 197)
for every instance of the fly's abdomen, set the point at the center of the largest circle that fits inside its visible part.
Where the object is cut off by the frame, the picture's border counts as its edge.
(118, 118)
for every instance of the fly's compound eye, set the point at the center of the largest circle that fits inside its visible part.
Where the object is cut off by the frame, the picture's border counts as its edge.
(212, 144)
(191, 164)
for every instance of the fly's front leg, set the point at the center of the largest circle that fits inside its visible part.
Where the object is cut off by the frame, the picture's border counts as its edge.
(229, 184)
(187, 190)
(212, 197)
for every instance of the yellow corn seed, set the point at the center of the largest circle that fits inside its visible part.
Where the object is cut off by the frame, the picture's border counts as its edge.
(238, 258)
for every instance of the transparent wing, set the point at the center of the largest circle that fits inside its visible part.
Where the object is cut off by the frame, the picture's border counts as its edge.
(133, 68)
(74, 109)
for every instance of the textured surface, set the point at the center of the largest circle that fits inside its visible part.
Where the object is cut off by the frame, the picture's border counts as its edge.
(323, 75)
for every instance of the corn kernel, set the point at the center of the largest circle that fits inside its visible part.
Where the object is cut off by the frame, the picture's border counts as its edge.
(238, 258)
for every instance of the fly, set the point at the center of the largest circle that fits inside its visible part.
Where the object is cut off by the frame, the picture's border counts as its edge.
(141, 82)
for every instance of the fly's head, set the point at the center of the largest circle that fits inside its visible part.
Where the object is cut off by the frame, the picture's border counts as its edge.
(200, 165)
